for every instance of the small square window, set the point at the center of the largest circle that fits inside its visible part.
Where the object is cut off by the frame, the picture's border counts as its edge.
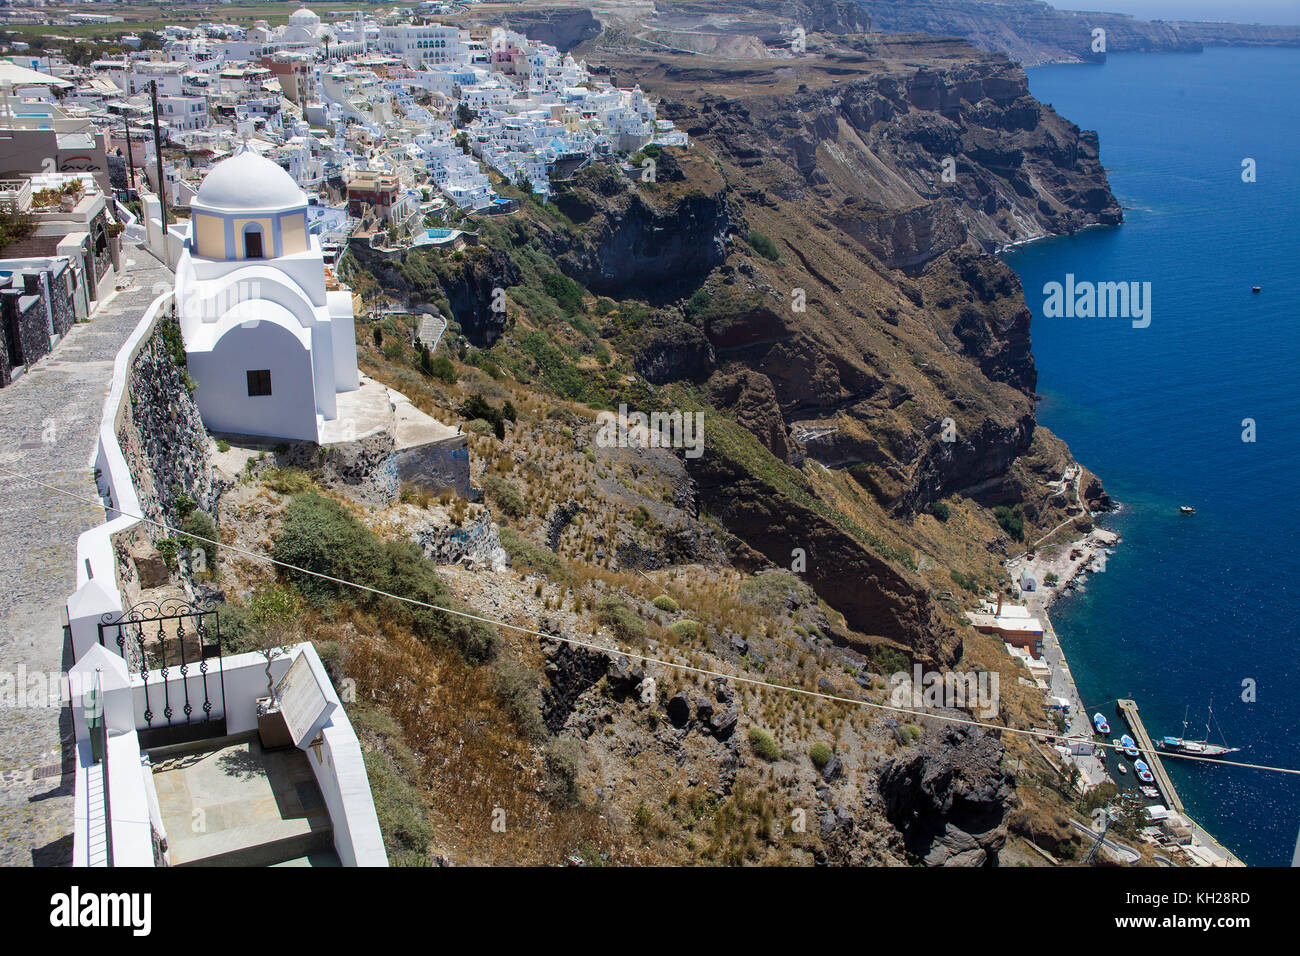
(259, 382)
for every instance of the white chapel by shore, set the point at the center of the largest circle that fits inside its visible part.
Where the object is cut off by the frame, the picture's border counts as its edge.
(268, 345)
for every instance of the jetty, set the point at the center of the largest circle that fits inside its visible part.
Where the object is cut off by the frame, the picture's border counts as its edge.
(1129, 709)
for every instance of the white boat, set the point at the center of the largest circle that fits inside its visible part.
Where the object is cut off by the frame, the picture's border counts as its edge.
(1122, 768)
(1202, 747)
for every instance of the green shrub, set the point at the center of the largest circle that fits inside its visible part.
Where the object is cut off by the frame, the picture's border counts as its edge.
(442, 369)
(237, 632)
(685, 627)
(319, 535)
(963, 580)
(504, 496)
(940, 510)
(517, 687)
(665, 603)
(770, 592)
(223, 446)
(199, 525)
(526, 556)
(168, 548)
(562, 757)
(764, 744)
(820, 754)
(477, 407)
(1011, 520)
(393, 771)
(623, 621)
(764, 246)
(289, 481)
(566, 293)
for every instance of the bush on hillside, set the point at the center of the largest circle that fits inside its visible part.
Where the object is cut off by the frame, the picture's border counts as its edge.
(320, 535)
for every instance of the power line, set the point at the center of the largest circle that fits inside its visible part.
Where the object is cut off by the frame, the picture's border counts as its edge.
(703, 671)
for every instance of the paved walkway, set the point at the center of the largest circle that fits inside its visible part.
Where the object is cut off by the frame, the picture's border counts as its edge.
(1080, 722)
(49, 420)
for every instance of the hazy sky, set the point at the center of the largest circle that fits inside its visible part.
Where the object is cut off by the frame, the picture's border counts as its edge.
(1233, 11)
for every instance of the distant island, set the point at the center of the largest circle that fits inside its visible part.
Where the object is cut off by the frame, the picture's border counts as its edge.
(1034, 33)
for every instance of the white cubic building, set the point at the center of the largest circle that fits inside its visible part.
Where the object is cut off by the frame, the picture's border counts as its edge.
(268, 346)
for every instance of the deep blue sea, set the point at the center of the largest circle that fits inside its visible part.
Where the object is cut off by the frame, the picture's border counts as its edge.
(1190, 607)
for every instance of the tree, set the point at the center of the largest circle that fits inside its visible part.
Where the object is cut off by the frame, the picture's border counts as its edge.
(272, 612)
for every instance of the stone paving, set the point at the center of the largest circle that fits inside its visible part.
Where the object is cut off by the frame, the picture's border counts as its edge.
(49, 420)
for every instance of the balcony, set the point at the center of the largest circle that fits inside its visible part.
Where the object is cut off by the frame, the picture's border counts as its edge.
(171, 769)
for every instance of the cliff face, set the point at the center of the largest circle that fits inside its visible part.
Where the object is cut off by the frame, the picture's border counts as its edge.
(1033, 32)
(463, 287)
(631, 244)
(876, 598)
(874, 328)
(914, 162)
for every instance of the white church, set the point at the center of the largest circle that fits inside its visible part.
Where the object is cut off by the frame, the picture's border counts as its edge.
(269, 347)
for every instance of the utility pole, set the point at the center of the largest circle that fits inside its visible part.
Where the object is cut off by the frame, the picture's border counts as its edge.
(157, 152)
(130, 159)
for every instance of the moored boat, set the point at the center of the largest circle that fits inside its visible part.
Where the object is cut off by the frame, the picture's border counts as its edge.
(1130, 745)
(1143, 771)
(1099, 722)
(1197, 748)
(1187, 510)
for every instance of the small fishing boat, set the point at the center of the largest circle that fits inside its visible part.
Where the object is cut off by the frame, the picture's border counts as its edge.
(1122, 768)
(1187, 510)
(1099, 722)
(1143, 771)
(1151, 793)
(1130, 746)
(1254, 289)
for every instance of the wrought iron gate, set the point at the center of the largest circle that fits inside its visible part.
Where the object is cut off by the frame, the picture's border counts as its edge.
(170, 645)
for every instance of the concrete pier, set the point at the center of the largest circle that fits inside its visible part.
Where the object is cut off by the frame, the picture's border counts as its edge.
(1129, 709)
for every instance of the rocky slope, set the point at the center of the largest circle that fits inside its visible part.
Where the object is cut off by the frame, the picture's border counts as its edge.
(1033, 32)
(808, 278)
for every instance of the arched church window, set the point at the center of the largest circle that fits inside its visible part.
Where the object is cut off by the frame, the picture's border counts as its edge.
(253, 243)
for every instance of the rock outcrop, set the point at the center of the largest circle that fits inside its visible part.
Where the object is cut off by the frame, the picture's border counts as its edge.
(948, 800)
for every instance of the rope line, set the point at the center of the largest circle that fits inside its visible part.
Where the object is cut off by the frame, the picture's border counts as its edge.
(703, 671)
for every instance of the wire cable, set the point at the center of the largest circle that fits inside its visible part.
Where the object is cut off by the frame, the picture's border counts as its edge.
(703, 671)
